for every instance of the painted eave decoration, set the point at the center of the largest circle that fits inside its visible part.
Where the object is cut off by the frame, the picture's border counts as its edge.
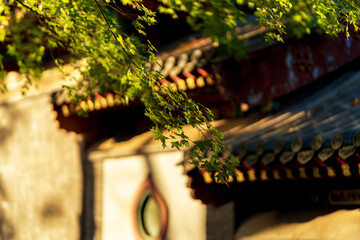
(190, 70)
(191, 65)
(187, 76)
(209, 75)
(316, 137)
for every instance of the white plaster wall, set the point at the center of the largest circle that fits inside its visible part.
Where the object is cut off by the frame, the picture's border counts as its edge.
(40, 173)
(187, 217)
(123, 176)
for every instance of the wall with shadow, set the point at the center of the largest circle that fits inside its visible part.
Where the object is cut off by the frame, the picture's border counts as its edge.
(7, 230)
(6, 116)
(40, 170)
(301, 225)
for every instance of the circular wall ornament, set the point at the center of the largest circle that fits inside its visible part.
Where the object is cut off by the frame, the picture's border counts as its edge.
(296, 144)
(317, 142)
(336, 141)
(356, 139)
(278, 146)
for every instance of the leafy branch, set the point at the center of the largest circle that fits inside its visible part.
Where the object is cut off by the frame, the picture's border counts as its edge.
(114, 56)
(162, 107)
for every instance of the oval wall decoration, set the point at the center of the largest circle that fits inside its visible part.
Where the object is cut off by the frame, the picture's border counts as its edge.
(150, 213)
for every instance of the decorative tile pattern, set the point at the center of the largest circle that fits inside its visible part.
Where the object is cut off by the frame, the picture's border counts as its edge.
(318, 137)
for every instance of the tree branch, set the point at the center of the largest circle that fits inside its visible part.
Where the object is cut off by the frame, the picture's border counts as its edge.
(112, 32)
(114, 8)
(32, 10)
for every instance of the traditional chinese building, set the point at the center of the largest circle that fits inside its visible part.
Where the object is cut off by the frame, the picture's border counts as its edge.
(289, 113)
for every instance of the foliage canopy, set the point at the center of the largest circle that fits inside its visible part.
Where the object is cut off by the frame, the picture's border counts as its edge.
(115, 51)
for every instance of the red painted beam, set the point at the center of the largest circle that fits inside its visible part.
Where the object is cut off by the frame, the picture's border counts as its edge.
(278, 70)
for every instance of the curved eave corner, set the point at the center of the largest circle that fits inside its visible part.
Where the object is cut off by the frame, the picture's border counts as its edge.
(318, 137)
